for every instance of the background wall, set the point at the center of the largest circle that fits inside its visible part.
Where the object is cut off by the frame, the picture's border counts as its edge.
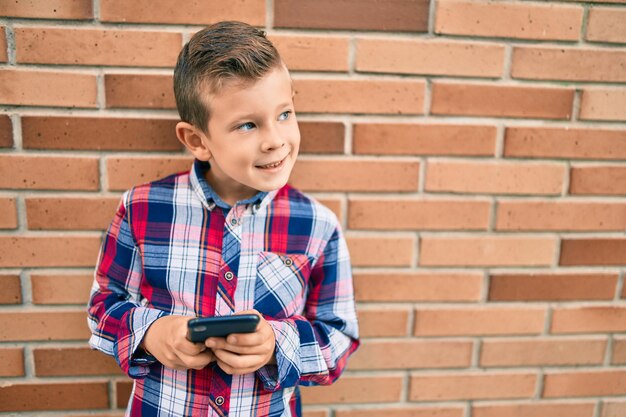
(473, 150)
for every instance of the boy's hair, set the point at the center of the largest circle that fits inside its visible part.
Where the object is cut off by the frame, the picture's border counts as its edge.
(223, 51)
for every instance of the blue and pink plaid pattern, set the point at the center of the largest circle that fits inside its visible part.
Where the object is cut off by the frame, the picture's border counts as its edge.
(168, 251)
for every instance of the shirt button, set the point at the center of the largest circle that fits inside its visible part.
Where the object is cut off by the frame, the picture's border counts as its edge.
(288, 262)
(233, 222)
(219, 400)
(229, 275)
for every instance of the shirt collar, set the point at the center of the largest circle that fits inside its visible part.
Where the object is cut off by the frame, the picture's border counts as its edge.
(208, 195)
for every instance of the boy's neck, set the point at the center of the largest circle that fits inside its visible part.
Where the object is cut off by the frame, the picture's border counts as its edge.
(229, 193)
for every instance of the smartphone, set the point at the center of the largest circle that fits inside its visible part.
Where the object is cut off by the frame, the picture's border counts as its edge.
(201, 328)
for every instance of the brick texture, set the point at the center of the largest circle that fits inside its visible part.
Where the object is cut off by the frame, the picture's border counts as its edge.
(70, 213)
(423, 139)
(48, 9)
(169, 11)
(61, 289)
(8, 213)
(420, 287)
(10, 289)
(47, 88)
(605, 24)
(97, 47)
(394, 15)
(568, 64)
(540, 142)
(603, 104)
(501, 101)
(552, 287)
(6, 131)
(472, 150)
(548, 352)
(509, 19)
(472, 386)
(427, 57)
(92, 133)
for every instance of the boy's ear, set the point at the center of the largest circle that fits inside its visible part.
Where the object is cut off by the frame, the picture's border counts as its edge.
(194, 139)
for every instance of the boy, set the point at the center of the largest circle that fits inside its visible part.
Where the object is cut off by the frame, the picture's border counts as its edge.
(227, 237)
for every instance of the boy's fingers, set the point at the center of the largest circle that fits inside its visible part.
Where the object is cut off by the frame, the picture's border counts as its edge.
(197, 361)
(237, 361)
(189, 348)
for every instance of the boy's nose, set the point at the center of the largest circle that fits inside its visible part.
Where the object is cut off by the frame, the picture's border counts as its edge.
(272, 139)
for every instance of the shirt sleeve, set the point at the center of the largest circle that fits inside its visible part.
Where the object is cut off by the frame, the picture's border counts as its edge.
(116, 317)
(313, 349)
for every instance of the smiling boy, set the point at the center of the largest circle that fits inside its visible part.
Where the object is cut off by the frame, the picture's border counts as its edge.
(227, 237)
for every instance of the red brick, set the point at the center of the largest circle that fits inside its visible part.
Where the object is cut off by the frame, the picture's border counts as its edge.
(619, 351)
(50, 325)
(372, 250)
(417, 56)
(314, 413)
(370, 96)
(501, 100)
(61, 288)
(322, 137)
(383, 322)
(413, 214)
(560, 215)
(603, 104)
(392, 15)
(495, 177)
(96, 47)
(552, 287)
(3, 45)
(603, 319)
(48, 251)
(487, 251)
(572, 64)
(598, 180)
(170, 11)
(10, 290)
(96, 133)
(11, 362)
(48, 9)
(472, 386)
(542, 352)
(534, 410)
(613, 408)
(423, 139)
(6, 131)
(508, 19)
(139, 90)
(48, 172)
(126, 172)
(124, 389)
(313, 53)
(54, 396)
(47, 88)
(417, 287)
(356, 389)
(361, 174)
(411, 354)
(606, 24)
(593, 252)
(478, 321)
(406, 411)
(8, 213)
(335, 204)
(73, 361)
(70, 213)
(584, 383)
(541, 142)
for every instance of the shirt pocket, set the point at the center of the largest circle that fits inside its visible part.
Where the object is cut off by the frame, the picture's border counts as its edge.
(281, 284)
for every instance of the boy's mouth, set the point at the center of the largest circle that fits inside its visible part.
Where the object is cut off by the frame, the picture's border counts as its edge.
(273, 165)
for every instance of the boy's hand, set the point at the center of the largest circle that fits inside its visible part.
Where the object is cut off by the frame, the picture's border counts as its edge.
(243, 353)
(167, 341)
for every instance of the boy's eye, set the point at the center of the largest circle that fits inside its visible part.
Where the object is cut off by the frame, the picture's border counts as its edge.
(246, 126)
(284, 115)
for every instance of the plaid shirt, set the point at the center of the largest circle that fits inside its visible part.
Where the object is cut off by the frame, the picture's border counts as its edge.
(175, 248)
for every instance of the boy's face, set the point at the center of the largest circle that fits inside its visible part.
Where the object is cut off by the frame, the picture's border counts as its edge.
(253, 137)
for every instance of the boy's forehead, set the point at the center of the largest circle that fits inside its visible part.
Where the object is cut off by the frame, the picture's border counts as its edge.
(233, 85)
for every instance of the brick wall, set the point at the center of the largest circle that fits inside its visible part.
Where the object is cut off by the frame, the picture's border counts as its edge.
(473, 150)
